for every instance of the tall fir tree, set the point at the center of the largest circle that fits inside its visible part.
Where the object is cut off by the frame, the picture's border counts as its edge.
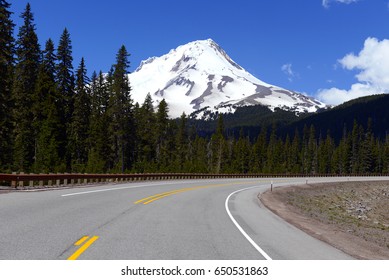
(26, 72)
(79, 127)
(65, 82)
(181, 154)
(121, 113)
(98, 125)
(7, 51)
(161, 131)
(217, 148)
(46, 119)
(146, 136)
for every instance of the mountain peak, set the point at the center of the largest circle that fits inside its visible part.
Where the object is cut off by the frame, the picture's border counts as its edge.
(200, 76)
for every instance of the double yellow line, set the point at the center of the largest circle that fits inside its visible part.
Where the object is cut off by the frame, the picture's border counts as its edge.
(85, 241)
(155, 197)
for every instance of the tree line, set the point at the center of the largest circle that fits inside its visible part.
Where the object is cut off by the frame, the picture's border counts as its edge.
(54, 118)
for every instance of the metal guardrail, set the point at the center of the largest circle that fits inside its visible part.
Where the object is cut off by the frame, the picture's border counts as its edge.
(33, 180)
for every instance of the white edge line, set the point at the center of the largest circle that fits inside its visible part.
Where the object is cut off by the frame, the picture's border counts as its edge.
(122, 188)
(255, 245)
(106, 190)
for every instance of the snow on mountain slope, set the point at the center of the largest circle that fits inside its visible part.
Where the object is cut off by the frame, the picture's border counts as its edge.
(201, 76)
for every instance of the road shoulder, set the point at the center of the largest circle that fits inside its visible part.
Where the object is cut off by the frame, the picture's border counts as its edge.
(352, 245)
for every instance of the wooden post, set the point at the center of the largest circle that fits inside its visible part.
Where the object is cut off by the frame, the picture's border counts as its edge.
(31, 183)
(50, 182)
(21, 183)
(58, 182)
(41, 182)
(13, 183)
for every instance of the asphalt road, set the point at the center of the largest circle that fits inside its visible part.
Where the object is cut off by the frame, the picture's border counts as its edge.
(191, 219)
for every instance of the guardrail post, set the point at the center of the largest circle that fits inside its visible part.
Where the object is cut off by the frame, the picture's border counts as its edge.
(50, 182)
(58, 182)
(13, 183)
(21, 183)
(65, 181)
(41, 182)
(31, 183)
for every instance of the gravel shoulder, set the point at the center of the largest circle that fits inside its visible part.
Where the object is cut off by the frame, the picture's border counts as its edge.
(350, 216)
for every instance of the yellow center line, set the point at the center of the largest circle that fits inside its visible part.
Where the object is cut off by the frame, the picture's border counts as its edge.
(83, 247)
(155, 197)
(160, 194)
(82, 240)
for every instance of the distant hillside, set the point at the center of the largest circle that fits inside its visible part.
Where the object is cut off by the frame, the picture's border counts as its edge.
(338, 118)
(251, 119)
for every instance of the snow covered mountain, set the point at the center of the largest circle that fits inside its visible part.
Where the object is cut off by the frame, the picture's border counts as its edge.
(200, 77)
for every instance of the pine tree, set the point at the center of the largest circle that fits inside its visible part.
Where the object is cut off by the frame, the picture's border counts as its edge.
(217, 148)
(241, 153)
(79, 128)
(312, 151)
(200, 156)
(355, 149)
(26, 72)
(65, 82)
(6, 79)
(181, 154)
(46, 119)
(99, 122)
(121, 113)
(272, 154)
(259, 155)
(295, 155)
(145, 120)
(367, 150)
(162, 134)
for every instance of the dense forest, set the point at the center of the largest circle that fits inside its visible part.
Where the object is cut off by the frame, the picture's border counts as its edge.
(54, 118)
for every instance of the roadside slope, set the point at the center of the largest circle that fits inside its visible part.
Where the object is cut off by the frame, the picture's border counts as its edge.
(351, 216)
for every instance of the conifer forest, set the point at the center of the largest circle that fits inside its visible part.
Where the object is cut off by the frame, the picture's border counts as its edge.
(55, 118)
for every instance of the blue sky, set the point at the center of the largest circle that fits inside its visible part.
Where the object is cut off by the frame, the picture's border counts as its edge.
(303, 45)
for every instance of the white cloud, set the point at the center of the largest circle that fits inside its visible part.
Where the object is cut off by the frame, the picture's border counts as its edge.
(326, 3)
(372, 62)
(287, 69)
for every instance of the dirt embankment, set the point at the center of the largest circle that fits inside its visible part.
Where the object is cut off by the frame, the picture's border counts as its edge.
(351, 216)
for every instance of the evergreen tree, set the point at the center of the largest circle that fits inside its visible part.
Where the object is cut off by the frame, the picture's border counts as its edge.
(121, 113)
(146, 137)
(355, 148)
(6, 79)
(312, 159)
(79, 128)
(259, 155)
(385, 156)
(272, 156)
(295, 158)
(99, 122)
(46, 119)
(26, 72)
(367, 150)
(241, 154)
(325, 153)
(162, 133)
(65, 81)
(217, 148)
(200, 156)
(181, 154)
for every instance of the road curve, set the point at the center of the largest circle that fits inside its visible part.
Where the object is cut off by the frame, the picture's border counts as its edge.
(187, 219)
